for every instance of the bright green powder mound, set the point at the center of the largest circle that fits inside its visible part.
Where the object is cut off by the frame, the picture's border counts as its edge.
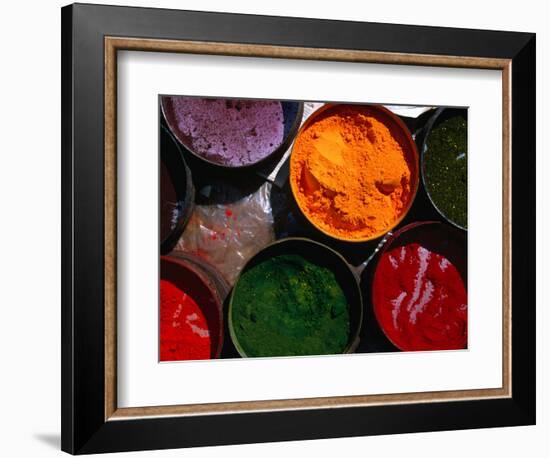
(289, 306)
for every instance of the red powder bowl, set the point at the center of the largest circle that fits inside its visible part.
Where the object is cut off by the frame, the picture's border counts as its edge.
(419, 288)
(191, 313)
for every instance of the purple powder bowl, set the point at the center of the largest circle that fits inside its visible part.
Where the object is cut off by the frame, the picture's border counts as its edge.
(233, 133)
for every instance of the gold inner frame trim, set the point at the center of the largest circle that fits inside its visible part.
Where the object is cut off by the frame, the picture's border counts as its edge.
(114, 44)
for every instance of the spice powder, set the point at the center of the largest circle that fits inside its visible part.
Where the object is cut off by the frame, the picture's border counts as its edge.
(184, 332)
(445, 169)
(352, 172)
(288, 306)
(420, 299)
(230, 132)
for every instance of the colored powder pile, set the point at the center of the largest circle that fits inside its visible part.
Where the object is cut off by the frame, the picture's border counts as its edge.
(352, 175)
(420, 299)
(288, 306)
(445, 169)
(230, 132)
(184, 333)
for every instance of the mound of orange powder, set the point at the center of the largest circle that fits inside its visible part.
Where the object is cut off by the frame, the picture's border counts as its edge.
(352, 172)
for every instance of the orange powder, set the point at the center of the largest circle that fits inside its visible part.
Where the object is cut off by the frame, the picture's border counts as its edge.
(352, 172)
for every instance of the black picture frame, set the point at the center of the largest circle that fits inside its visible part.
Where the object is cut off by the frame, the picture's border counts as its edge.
(84, 427)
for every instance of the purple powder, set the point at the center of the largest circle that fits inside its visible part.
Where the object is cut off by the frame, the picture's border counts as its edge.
(228, 131)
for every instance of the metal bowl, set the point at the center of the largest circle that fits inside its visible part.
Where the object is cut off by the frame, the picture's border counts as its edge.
(390, 119)
(292, 114)
(321, 255)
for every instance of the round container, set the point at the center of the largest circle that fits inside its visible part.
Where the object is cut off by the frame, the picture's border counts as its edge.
(216, 279)
(202, 290)
(447, 253)
(399, 129)
(441, 115)
(292, 117)
(177, 194)
(320, 255)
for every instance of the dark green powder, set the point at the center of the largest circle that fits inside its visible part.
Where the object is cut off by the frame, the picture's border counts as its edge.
(287, 306)
(445, 168)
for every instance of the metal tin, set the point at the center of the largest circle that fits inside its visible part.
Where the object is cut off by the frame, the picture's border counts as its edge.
(440, 115)
(449, 235)
(197, 284)
(396, 121)
(322, 254)
(291, 123)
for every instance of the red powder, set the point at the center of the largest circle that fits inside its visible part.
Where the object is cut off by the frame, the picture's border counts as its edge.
(420, 299)
(184, 333)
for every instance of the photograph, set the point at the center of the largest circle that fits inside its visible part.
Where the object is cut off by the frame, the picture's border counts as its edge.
(300, 228)
(291, 227)
(274, 229)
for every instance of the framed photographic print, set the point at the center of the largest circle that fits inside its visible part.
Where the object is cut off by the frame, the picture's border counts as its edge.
(280, 228)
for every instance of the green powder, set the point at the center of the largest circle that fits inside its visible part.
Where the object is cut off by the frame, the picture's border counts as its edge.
(288, 306)
(445, 169)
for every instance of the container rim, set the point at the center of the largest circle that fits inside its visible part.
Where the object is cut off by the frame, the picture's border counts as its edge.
(184, 264)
